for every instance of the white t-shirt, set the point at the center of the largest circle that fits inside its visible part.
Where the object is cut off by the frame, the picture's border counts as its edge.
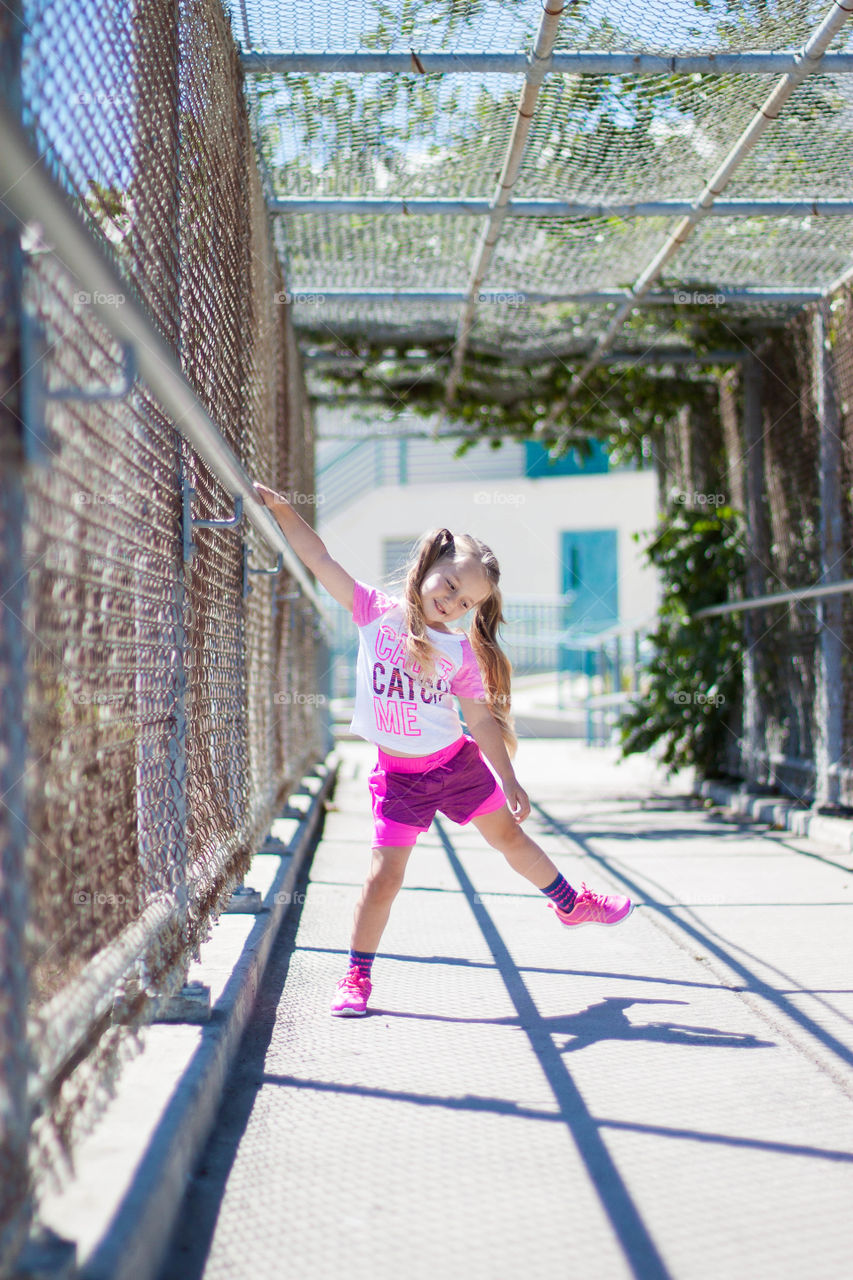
(392, 708)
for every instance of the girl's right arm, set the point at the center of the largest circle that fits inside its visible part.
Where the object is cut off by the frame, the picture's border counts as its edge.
(309, 547)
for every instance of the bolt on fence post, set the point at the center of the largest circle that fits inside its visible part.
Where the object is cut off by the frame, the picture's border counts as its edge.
(753, 461)
(828, 704)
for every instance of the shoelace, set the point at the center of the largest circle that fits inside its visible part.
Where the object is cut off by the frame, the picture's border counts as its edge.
(355, 980)
(587, 895)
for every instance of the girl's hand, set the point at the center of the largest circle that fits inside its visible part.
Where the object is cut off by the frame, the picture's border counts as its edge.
(516, 798)
(267, 496)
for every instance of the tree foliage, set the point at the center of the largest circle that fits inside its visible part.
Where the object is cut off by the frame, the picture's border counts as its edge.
(625, 406)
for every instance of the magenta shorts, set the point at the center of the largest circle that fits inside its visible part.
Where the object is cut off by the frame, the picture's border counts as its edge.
(408, 791)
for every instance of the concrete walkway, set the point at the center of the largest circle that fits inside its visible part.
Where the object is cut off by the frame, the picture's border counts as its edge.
(669, 1098)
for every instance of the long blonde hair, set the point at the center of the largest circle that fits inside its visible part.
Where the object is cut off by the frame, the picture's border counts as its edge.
(494, 665)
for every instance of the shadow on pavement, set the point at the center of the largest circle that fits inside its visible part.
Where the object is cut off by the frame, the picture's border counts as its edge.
(607, 1020)
(629, 1228)
(707, 939)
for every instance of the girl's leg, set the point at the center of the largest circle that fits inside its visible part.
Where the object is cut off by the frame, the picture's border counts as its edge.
(523, 854)
(381, 887)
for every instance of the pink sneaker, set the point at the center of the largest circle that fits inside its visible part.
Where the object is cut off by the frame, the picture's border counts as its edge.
(594, 908)
(351, 996)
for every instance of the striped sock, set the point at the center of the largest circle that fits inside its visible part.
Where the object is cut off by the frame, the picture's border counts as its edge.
(362, 961)
(561, 892)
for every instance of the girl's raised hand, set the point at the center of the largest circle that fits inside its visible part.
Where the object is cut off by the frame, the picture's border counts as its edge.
(266, 496)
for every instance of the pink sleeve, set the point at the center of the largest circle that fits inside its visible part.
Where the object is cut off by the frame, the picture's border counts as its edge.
(468, 683)
(369, 603)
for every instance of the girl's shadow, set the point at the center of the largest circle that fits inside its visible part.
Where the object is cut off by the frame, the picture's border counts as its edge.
(607, 1020)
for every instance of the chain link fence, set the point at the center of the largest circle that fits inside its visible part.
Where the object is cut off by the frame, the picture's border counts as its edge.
(778, 448)
(161, 693)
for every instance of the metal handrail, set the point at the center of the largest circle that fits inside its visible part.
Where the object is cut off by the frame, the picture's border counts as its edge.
(33, 196)
(781, 597)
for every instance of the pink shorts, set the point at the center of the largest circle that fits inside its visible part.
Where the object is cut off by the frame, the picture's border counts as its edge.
(408, 791)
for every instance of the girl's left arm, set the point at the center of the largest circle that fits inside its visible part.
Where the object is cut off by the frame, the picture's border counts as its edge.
(485, 731)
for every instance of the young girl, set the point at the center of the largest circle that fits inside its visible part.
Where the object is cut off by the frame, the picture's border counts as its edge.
(412, 662)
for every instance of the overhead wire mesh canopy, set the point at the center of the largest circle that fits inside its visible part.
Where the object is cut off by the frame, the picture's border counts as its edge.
(417, 200)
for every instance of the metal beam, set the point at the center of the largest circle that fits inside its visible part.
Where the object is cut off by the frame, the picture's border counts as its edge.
(806, 62)
(381, 206)
(32, 195)
(534, 76)
(683, 295)
(582, 62)
(677, 355)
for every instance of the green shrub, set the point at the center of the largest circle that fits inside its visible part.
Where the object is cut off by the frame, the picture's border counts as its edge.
(691, 689)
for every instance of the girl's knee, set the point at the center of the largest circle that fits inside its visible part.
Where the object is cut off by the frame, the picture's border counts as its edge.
(509, 839)
(385, 878)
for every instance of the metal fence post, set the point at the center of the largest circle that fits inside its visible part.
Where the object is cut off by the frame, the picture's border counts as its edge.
(16, 1203)
(828, 702)
(177, 747)
(755, 524)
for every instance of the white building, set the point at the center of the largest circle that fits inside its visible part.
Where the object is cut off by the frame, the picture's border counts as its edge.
(566, 527)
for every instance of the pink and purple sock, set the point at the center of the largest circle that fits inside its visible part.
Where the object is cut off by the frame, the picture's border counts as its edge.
(362, 961)
(562, 893)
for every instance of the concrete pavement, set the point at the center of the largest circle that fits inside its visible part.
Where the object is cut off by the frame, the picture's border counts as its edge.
(672, 1097)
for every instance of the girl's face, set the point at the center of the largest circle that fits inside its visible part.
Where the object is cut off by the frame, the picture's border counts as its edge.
(451, 588)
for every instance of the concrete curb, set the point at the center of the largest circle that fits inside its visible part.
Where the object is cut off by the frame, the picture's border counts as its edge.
(135, 1243)
(836, 833)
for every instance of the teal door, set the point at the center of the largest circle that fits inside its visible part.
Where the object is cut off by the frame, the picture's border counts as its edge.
(590, 571)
